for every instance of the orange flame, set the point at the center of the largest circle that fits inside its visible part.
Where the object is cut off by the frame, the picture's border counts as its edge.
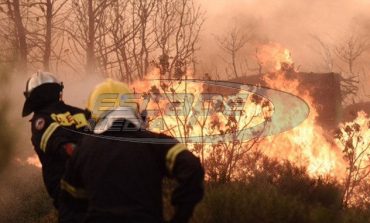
(307, 144)
(177, 126)
(272, 56)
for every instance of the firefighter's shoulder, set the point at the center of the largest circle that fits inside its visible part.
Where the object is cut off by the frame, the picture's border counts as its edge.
(42, 127)
(70, 116)
(170, 147)
(40, 122)
(76, 110)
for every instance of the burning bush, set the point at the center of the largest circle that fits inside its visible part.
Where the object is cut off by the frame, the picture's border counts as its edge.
(354, 140)
(186, 111)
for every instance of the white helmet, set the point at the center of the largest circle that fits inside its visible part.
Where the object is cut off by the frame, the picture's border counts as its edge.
(41, 89)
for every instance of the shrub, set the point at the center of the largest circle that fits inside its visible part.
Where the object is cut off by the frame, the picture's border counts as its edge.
(284, 193)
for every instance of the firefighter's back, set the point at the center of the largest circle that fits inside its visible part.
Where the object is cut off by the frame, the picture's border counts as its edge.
(123, 179)
(119, 169)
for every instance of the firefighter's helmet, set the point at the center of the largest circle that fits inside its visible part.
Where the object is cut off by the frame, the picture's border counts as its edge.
(110, 95)
(42, 88)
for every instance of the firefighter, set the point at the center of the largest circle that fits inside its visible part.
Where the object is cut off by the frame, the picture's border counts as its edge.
(54, 127)
(120, 173)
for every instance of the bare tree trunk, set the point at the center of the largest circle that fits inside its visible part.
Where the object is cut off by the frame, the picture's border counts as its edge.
(233, 58)
(47, 51)
(144, 49)
(21, 34)
(177, 37)
(127, 67)
(90, 54)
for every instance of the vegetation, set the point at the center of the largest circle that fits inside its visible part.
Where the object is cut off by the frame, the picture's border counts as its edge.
(277, 192)
(353, 138)
(113, 37)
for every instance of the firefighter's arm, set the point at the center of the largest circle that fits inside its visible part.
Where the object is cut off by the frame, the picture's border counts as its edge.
(188, 172)
(59, 140)
(73, 197)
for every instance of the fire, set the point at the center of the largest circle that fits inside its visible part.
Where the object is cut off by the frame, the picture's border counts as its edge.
(307, 144)
(181, 96)
(273, 56)
(31, 160)
(354, 140)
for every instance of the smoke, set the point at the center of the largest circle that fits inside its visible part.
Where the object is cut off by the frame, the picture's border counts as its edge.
(290, 23)
(23, 195)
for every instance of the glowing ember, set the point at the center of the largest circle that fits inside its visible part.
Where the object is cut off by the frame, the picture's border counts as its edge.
(34, 161)
(31, 160)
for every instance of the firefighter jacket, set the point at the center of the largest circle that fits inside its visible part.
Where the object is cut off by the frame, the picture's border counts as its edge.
(120, 173)
(53, 127)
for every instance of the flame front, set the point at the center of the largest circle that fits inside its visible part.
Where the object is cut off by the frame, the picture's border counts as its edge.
(306, 145)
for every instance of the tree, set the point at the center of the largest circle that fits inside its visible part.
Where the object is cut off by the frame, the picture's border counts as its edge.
(35, 32)
(177, 27)
(342, 58)
(325, 53)
(18, 33)
(232, 42)
(45, 20)
(128, 35)
(118, 38)
(186, 111)
(21, 32)
(225, 160)
(349, 51)
(86, 19)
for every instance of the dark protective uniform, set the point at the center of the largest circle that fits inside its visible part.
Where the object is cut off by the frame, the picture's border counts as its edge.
(52, 139)
(122, 179)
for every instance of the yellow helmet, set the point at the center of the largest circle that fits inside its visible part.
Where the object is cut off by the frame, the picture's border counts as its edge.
(110, 95)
